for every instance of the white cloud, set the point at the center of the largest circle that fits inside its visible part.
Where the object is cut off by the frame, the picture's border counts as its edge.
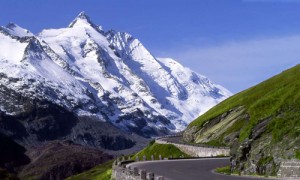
(239, 65)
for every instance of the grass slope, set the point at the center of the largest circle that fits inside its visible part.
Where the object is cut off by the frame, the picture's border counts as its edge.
(165, 150)
(277, 98)
(100, 172)
(224, 170)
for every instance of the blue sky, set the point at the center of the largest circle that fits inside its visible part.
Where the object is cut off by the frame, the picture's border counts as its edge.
(236, 43)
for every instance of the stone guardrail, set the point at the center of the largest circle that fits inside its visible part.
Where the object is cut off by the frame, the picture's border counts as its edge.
(195, 150)
(165, 138)
(123, 172)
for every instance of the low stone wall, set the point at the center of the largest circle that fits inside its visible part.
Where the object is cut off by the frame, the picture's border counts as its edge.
(197, 151)
(121, 172)
(289, 169)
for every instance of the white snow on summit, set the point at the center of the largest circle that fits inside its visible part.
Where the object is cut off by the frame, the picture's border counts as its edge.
(16, 30)
(109, 75)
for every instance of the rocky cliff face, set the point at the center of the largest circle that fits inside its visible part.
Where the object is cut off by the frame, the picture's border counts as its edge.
(254, 155)
(35, 121)
(260, 125)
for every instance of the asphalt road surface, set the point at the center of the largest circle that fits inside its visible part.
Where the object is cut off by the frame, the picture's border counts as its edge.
(188, 169)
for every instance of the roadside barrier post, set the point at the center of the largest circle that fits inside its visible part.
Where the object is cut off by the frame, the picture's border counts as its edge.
(143, 174)
(127, 171)
(150, 176)
(135, 171)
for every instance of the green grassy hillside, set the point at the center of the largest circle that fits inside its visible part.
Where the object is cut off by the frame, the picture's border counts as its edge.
(268, 113)
(165, 150)
(279, 95)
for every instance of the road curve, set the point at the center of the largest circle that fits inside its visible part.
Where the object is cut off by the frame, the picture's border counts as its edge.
(188, 169)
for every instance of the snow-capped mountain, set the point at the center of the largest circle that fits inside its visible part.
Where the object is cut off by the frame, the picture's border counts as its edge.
(107, 75)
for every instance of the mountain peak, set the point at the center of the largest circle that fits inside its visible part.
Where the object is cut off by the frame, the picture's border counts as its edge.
(16, 30)
(109, 76)
(83, 15)
(83, 20)
(11, 25)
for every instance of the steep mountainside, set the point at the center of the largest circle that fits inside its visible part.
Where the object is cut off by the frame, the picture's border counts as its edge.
(260, 124)
(77, 82)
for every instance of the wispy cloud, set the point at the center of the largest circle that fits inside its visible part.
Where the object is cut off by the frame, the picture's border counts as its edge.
(239, 65)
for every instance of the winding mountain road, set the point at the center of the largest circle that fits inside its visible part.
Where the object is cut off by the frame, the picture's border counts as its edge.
(188, 169)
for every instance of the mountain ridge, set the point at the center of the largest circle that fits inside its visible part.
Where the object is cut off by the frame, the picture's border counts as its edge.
(105, 75)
